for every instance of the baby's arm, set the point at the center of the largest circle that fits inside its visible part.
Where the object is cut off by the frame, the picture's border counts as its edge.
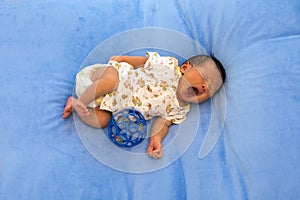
(159, 131)
(135, 61)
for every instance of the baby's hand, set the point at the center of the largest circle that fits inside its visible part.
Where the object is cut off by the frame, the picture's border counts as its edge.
(155, 148)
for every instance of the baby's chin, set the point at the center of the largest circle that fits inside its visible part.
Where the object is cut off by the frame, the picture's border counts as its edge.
(196, 99)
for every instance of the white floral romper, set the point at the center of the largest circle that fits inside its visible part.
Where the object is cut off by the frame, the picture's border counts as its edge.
(150, 89)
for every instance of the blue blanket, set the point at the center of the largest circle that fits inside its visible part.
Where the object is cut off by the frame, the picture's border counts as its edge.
(249, 134)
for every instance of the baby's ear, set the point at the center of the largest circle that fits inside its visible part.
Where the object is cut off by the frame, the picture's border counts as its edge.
(184, 67)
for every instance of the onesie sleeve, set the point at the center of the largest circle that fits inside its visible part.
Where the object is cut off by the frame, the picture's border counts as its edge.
(117, 64)
(177, 117)
(155, 60)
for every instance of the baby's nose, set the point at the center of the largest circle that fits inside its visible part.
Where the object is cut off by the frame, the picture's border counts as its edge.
(202, 88)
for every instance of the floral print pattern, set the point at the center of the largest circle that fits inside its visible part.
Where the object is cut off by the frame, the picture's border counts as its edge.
(150, 89)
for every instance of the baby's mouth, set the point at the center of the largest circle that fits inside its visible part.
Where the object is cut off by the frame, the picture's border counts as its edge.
(195, 90)
(192, 91)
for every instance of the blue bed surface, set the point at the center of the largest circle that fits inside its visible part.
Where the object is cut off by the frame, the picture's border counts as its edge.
(44, 44)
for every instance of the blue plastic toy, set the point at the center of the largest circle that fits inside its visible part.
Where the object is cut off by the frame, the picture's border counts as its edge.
(127, 128)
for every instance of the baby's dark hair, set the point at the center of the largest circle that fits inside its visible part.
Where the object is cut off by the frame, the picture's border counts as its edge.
(199, 59)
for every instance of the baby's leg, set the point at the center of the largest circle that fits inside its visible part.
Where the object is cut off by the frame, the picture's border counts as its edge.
(106, 83)
(97, 73)
(80, 108)
(96, 118)
(92, 116)
(77, 105)
(68, 108)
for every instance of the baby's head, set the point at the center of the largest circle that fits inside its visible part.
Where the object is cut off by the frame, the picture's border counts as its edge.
(202, 77)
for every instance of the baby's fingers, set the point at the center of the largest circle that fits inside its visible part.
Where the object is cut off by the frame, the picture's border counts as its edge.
(153, 153)
(156, 154)
(150, 150)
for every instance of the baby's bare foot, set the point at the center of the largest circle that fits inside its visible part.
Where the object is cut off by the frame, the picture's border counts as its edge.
(68, 108)
(80, 108)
